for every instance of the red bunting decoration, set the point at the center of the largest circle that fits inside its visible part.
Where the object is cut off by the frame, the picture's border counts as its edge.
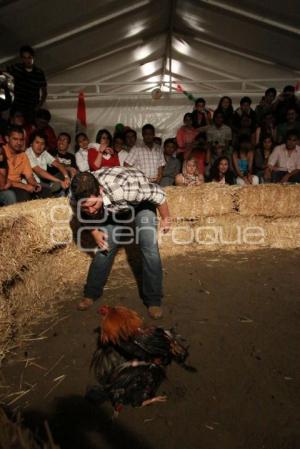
(81, 124)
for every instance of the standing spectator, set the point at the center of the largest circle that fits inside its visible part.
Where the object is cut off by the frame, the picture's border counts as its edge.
(102, 155)
(266, 105)
(39, 160)
(63, 156)
(242, 111)
(225, 106)
(130, 138)
(284, 162)
(172, 167)
(147, 156)
(81, 151)
(190, 175)
(243, 162)
(19, 168)
(261, 157)
(292, 122)
(286, 100)
(200, 115)
(220, 171)
(30, 90)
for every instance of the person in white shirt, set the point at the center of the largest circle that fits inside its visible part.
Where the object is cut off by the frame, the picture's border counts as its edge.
(147, 156)
(81, 152)
(284, 161)
(119, 148)
(40, 159)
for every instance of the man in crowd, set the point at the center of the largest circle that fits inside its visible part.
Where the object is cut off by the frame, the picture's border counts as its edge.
(292, 123)
(20, 173)
(40, 159)
(111, 200)
(266, 104)
(130, 138)
(218, 133)
(147, 156)
(7, 196)
(244, 110)
(64, 157)
(284, 161)
(30, 90)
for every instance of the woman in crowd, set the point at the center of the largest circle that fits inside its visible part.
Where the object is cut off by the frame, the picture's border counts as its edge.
(186, 136)
(225, 106)
(243, 162)
(220, 171)
(102, 153)
(261, 156)
(190, 175)
(267, 128)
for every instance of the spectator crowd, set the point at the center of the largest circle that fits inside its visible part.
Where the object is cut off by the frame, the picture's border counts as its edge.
(243, 146)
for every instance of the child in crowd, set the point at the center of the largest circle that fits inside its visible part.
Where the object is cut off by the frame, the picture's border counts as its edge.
(172, 167)
(243, 162)
(220, 171)
(190, 175)
(102, 154)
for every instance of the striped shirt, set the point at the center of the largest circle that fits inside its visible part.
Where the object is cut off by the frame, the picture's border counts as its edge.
(27, 86)
(125, 186)
(146, 159)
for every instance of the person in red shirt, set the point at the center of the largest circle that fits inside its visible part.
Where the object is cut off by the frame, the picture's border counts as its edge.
(102, 155)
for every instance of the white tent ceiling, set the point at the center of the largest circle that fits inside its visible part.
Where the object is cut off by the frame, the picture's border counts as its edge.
(113, 47)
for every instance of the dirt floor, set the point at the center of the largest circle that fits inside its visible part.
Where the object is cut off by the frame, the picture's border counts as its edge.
(240, 314)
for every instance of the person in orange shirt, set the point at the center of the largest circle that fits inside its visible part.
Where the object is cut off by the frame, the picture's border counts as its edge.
(19, 168)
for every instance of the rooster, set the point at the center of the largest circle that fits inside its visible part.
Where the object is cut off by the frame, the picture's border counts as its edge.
(124, 330)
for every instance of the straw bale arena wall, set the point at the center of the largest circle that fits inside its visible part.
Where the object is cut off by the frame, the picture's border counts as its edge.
(206, 218)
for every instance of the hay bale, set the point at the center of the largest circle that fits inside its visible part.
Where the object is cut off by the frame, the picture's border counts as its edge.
(269, 200)
(202, 201)
(28, 229)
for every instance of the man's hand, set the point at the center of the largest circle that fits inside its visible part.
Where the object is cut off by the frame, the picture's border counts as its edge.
(165, 224)
(72, 171)
(37, 188)
(7, 185)
(65, 184)
(29, 188)
(100, 238)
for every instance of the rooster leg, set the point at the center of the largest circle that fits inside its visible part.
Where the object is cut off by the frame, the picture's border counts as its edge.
(154, 400)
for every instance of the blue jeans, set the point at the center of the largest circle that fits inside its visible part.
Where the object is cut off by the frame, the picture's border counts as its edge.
(7, 197)
(146, 238)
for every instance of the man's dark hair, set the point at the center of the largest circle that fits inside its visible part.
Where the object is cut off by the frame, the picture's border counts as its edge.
(118, 136)
(271, 90)
(170, 140)
(245, 100)
(130, 131)
(84, 185)
(148, 126)
(27, 49)
(67, 135)
(200, 100)
(39, 134)
(289, 88)
(218, 112)
(15, 129)
(43, 114)
(291, 132)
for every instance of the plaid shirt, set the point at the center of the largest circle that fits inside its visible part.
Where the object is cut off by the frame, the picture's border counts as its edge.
(146, 159)
(123, 186)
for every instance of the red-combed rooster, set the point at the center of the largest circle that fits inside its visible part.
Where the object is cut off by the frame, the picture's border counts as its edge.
(124, 330)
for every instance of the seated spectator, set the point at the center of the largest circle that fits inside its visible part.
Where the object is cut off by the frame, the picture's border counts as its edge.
(201, 116)
(261, 157)
(147, 156)
(42, 120)
(19, 169)
(172, 167)
(243, 162)
(81, 151)
(246, 128)
(63, 156)
(39, 160)
(190, 175)
(285, 101)
(225, 106)
(292, 122)
(267, 128)
(119, 148)
(284, 162)
(201, 154)
(130, 138)
(220, 171)
(186, 136)
(242, 111)
(266, 105)
(102, 154)
(218, 133)
(7, 196)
